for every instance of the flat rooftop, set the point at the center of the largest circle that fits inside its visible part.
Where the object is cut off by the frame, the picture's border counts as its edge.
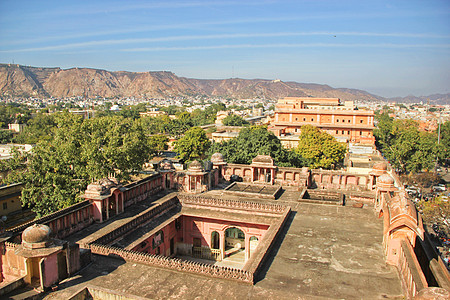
(324, 251)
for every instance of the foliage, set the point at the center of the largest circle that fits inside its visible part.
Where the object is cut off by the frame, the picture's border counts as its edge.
(79, 151)
(234, 120)
(405, 147)
(320, 149)
(193, 145)
(436, 211)
(6, 136)
(445, 139)
(158, 142)
(10, 113)
(253, 141)
(38, 128)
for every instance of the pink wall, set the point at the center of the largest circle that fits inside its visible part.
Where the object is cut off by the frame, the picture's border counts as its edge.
(198, 227)
(51, 269)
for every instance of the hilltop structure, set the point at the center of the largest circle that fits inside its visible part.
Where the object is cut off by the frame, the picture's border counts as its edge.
(283, 232)
(341, 120)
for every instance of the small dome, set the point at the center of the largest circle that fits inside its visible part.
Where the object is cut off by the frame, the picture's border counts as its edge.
(95, 187)
(385, 179)
(381, 166)
(195, 166)
(217, 158)
(36, 236)
(166, 165)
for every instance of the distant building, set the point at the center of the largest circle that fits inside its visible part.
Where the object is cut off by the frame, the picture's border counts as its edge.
(341, 120)
(16, 127)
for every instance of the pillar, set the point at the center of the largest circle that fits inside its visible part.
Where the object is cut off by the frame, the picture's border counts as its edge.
(107, 208)
(117, 203)
(222, 244)
(247, 246)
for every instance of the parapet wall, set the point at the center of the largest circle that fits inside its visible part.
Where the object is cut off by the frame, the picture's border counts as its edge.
(174, 263)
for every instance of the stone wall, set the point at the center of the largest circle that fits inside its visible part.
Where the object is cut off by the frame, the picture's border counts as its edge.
(337, 180)
(174, 263)
(410, 272)
(140, 219)
(64, 222)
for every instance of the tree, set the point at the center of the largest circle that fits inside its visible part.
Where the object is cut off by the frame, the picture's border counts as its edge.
(38, 128)
(79, 151)
(253, 141)
(193, 145)
(407, 148)
(234, 120)
(320, 149)
(436, 211)
(158, 142)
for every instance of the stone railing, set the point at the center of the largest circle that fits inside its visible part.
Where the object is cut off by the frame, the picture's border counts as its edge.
(53, 216)
(139, 220)
(411, 275)
(235, 204)
(174, 263)
(263, 250)
(11, 245)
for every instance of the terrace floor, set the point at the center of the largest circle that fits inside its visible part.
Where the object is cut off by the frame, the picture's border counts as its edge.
(324, 252)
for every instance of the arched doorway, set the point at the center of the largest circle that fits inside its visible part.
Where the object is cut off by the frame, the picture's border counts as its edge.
(235, 244)
(215, 240)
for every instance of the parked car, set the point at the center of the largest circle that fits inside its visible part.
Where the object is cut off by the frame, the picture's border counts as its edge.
(439, 188)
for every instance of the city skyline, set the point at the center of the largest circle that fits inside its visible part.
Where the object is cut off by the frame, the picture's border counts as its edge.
(386, 48)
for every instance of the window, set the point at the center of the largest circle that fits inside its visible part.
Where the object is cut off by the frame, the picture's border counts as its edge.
(312, 119)
(361, 121)
(337, 120)
(304, 119)
(5, 205)
(348, 132)
(296, 119)
(360, 133)
(349, 121)
(343, 132)
(337, 131)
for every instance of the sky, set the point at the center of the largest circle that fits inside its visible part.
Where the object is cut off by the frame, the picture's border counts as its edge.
(389, 48)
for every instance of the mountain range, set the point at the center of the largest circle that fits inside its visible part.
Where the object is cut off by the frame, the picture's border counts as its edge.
(25, 81)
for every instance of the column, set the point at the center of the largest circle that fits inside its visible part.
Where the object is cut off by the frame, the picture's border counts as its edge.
(222, 244)
(117, 204)
(247, 247)
(107, 208)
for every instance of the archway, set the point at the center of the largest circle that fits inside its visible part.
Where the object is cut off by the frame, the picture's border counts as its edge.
(235, 243)
(215, 240)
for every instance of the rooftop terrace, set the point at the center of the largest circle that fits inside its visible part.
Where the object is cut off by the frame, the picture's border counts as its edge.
(324, 251)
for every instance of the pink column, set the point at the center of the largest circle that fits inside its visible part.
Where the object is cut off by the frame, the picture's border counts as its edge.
(222, 244)
(117, 204)
(247, 247)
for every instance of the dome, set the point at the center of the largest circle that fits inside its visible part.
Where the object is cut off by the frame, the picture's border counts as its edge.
(217, 158)
(36, 236)
(381, 166)
(166, 165)
(385, 179)
(195, 166)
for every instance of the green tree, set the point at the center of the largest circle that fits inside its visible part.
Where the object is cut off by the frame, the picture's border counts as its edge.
(234, 120)
(38, 128)
(407, 148)
(158, 142)
(79, 151)
(253, 141)
(193, 145)
(320, 149)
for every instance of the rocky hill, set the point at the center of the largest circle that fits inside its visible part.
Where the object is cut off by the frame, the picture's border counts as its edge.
(25, 81)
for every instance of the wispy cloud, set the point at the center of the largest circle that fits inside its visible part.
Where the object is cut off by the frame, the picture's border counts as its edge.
(232, 36)
(306, 45)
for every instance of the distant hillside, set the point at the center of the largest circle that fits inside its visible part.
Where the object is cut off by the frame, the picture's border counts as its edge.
(435, 99)
(24, 81)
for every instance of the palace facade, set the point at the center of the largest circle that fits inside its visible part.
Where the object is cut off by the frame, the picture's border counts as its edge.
(341, 120)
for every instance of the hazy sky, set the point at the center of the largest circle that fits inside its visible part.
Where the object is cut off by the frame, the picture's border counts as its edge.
(390, 48)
